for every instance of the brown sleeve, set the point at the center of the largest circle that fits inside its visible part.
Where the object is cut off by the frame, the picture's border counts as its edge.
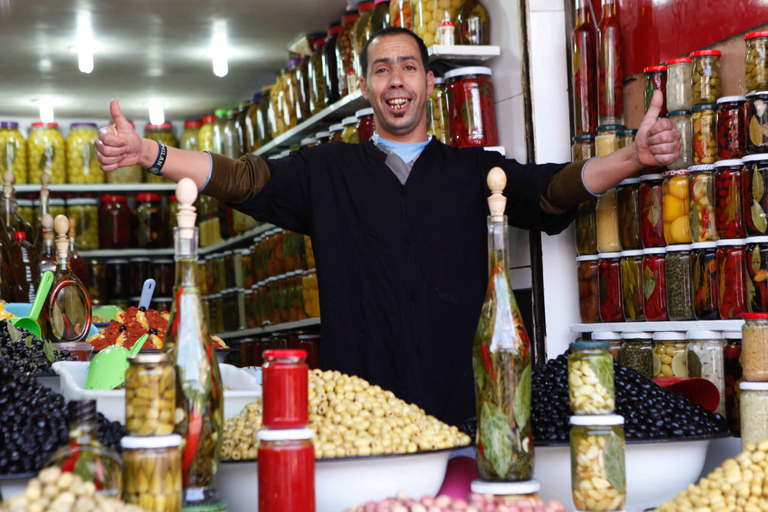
(236, 181)
(565, 190)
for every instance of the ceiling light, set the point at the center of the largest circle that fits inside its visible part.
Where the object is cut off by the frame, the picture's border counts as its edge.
(84, 44)
(46, 110)
(220, 66)
(156, 112)
(219, 51)
(85, 59)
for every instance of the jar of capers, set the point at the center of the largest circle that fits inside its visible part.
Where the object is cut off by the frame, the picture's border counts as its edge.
(150, 395)
(707, 82)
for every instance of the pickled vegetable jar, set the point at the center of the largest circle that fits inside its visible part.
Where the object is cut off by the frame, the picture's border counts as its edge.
(733, 375)
(118, 276)
(584, 42)
(148, 223)
(47, 153)
(206, 134)
(704, 280)
(82, 166)
(614, 342)
(427, 16)
(705, 76)
(251, 124)
(438, 124)
(754, 347)
(302, 90)
(323, 137)
(471, 107)
(280, 113)
(607, 221)
(607, 140)
(628, 203)
(190, 138)
(704, 125)
(677, 229)
(637, 352)
(13, 149)
(609, 274)
(589, 301)
(753, 412)
(682, 120)
(114, 222)
(654, 284)
(85, 211)
(590, 378)
(701, 189)
(140, 272)
(729, 190)
(656, 80)
(162, 133)
(731, 127)
(401, 14)
(586, 227)
(349, 134)
(380, 18)
(755, 65)
(336, 131)
(597, 464)
(472, 23)
(757, 274)
(705, 360)
(625, 137)
(669, 359)
(346, 55)
(757, 117)
(611, 65)
(755, 200)
(310, 291)
(24, 205)
(651, 220)
(330, 66)
(679, 91)
(57, 206)
(318, 100)
(263, 122)
(152, 472)
(731, 286)
(365, 124)
(583, 147)
(150, 402)
(632, 285)
(678, 278)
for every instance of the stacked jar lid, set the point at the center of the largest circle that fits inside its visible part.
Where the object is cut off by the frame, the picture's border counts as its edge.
(754, 390)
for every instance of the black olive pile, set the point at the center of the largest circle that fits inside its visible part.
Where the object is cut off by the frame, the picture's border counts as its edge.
(28, 359)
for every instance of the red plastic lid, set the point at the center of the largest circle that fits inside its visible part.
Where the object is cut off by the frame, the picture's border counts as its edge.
(164, 126)
(697, 390)
(209, 119)
(651, 69)
(678, 60)
(19, 236)
(377, 2)
(350, 18)
(334, 30)
(109, 198)
(318, 43)
(195, 123)
(755, 316)
(284, 354)
(46, 125)
(759, 33)
(367, 6)
(147, 197)
(173, 199)
(703, 53)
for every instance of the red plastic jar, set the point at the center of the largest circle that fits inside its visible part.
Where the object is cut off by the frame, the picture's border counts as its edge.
(656, 79)
(731, 286)
(731, 121)
(655, 284)
(285, 382)
(729, 197)
(365, 124)
(471, 107)
(114, 222)
(651, 216)
(704, 280)
(609, 275)
(286, 470)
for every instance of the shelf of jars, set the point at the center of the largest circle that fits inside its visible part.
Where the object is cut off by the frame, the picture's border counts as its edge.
(462, 53)
(690, 325)
(98, 188)
(246, 236)
(287, 326)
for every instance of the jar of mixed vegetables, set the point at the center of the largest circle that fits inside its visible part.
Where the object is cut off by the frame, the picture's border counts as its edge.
(470, 89)
(589, 301)
(757, 274)
(654, 285)
(401, 14)
(47, 153)
(632, 285)
(682, 120)
(705, 360)
(656, 80)
(701, 189)
(757, 117)
(609, 274)
(669, 359)
(704, 125)
(679, 91)
(731, 286)
(628, 203)
(706, 77)
(678, 279)
(755, 200)
(365, 124)
(729, 190)
(651, 220)
(731, 127)
(637, 352)
(586, 227)
(677, 228)
(755, 63)
(318, 99)
(349, 133)
(13, 149)
(704, 280)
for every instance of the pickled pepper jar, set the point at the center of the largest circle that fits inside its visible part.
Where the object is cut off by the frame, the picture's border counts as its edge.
(706, 77)
(755, 197)
(609, 275)
(583, 147)
(366, 126)
(682, 120)
(757, 119)
(669, 359)
(346, 56)
(470, 89)
(704, 280)
(677, 227)
(654, 285)
(637, 352)
(757, 274)
(589, 300)
(678, 278)
(590, 377)
(731, 285)
(628, 204)
(472, 24)
(704, 355)
(651, 219)
(704, 126)
(632, 285)
(701, 190)
(656, 80)
(679, 91)
(731, 121)
(733, 374)
(729, 191)
(755, 62)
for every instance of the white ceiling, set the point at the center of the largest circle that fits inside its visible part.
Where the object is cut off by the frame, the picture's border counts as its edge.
(146, 49)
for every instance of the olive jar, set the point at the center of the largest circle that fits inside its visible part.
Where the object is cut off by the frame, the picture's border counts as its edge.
(669, 358)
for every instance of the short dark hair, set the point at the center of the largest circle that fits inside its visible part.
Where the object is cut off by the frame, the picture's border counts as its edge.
(393, 31)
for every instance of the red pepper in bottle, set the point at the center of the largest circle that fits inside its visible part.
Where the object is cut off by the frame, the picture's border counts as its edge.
(651, 217)
(471, 107)
(611, 71)
(704, 280)
(584, 80)
(609, 274)
(654, 284)
(755, 196)
(729, 191)
(731, 286)
(731, 119)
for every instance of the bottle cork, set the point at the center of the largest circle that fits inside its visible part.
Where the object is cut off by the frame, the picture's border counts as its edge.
(61, 226)
(47, 222)
(186, 194)
(8, 181)
(497, 203)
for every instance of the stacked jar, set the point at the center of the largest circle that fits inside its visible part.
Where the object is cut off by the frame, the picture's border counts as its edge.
(754, 391)
(677, 269)
(589, 300)
(437, 113)
(47, 153)
(733, 376)
(669, 357)
(637, 352)
(656, 80)
(705, 359)
(470, 89)
(82, 166)
(731, 281)
(15, 156)
(632, 286)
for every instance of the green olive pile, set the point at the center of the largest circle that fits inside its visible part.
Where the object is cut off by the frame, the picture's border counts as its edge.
(351, 418)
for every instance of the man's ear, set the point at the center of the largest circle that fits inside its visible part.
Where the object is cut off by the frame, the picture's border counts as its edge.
(364, 87)
(430, 82)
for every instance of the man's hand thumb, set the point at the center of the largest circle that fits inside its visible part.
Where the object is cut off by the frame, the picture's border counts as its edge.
(654, 109)
(117, 115)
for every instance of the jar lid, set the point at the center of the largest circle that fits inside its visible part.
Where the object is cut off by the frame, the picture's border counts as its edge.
(322, 135)
(653, 69)
(754, 158)
(728, 163)
(336, 127)
(117, 262)
(364, 112)
(152, 358)
(85, 125)
(755, 316)
(729, 99)
(147, 197)
(366, 6)
(757, 239)
(705, 53)
(193, 123)
(587, 257)
(732, 335)
(630, 131)
(297, 434)
(705, 335)
(350, 18)
(150, 442)
(586, 136)
(675, 172)
(334, 29)
(606, 336)
(669, 336)
(629, 181)
(607, 255)
(505, 488)
(637, 335)
(349, 120)
(245, 251)
(701, 167)
(650, 177)
(9, 124)
(318, 43)
(611, 127)
(705, 106)
(676, 113)
(605, 419)
(655, 250)
(309, 336)
(283, 154)
(308, 140)
(678, 60)
(703, 245)
(79, 201)
(679, 247)
(759, 33)
(221, 113)
(731, 242)
(470, 70)
(209, 119)
(439, 80)
(631, 253)
(589, 344)
(753, 386)
(24, 202)
(45, 125)
(108, 198)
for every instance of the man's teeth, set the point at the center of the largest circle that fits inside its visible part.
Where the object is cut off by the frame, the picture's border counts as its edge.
(398, 103)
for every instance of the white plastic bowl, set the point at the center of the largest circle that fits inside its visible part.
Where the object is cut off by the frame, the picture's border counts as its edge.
(243, 389)
(341, 484)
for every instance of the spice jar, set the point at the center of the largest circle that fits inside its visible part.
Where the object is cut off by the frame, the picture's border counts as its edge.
(682, 120)
(380, 17)
(85, 211)
(470, 89)
(628, 204)
(625, 137)
(637, 352)
(729, 190)
(14, 158)
(677, 228)
(701, 189)
(607, 222)
(757, 117)
(755, 64)
(586, 227)
(678, 279)
(286, 470)
(651, 219)
(607, 140)
(438, 124)
(669, 359)
(152, 472)
(150, 395)
(590, 378)
(583, 147)
(754, 347)
(609, 274)
(597, 445)
(704, 280)
(365, 124)
(656, 80)
(349, 134)
(589, 302)
(82, 166)
(346, 55)
(148, 225)
(114, 222)
(632, 285)
(731, 288)
(755, 197)
(731, 120)
(705, 360)
(753, 412)
(47, 153)
(733, 375)
(118, 277)
(679, 91)
(654, 285)
(705, 76)
(704, 125)
(757, 274)
(401, 14)
(614, 343)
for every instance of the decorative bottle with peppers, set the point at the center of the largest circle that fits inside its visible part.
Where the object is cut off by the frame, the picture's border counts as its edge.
(757, 274)
(84, 456)
(610, 293)
(655, 285)
(199, 393)
(755, 196)
(584, 58)
(731, 286)
(611, 70)
(501, 359)
(651, 219)
(729, 190)
(704, 280)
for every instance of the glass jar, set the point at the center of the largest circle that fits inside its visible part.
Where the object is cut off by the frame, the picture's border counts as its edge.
(152, 472)
(704, 125)
(705, 76)
(323, 137)
(637, 352)
(632, 285)
(609, 274)
(362, 31)
(754, 347)
(85, 211)
(264, 117)
(190, 138)
(302, 90)
(583, 147)
(704, 355)
(130, 174)
(279, 117)
(438, 123)
(677, 228)
(317, 97)
(140, 272)
(427, 16)
(669, 359)
(614, 343)
(625, 137)
(118, 277)
(57, 206)
(161, 133)
(380, 17)
(251, 124)
(753, 412)
(729, 190)
(731, 288)
(656, 80)
(654, 285)
(607, 140)
(470, 89)
(309, 253)
(114, 222)
(731, 121)
(286, 469)
(757, 117)
(679, 90)
(276, 256)
(150, 395)
(628, 204)
(590, 378)
(682, 120)
(82, 166)
(586, 227)
(610, 65)
(310, 291)
(472, 24)
(603, 437)
(756, 274)
(346, 56)
(330, 65)
(336, 131)
(47, 153)
(755, 198)
(148, 224)
(97, 281)
(651, 219)
(24, 205)
(163, 272)
(349, 133)
(206, 134)
(607, 222)
(309, 142)
(755, 64)
(14, 152)
(701, 190)
(733, 375)
(229, 311)
(365, 124)
(401, 14)
(704, 287)
(678, 278)
(589, 301)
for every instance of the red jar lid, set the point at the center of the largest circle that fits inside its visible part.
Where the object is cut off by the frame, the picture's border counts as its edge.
(147, 197)
(759, 33)
(109, 198)
(335, 29)
(19, 236)
(164, 126)
(318, 43)
(209, 119)
(195, 123)
(651, 69)
(755, 316)
(678, 60)
(285, 354)
(45, 125)
(367, 6)
(704, 53)
(173, 199)
(350, 18)
(377, 2)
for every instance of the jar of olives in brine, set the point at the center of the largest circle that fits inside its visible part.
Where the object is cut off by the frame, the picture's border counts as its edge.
(628, 203)
(669, 358)
(731, 127)
(704, 280)
(757, 117)
(632, 285)
(590, 377)
(755, 64)
(678, 277)
(679, 92)
(654, 285)
(729, 191)
(651, 220)
(82, 166)
(705, 360)
(705, 75)
(427, 16)
(701, 189)
(677, 228)
(731, 285)
(757, 274)
(152, 472)
(589, 301)
(150, 395)
(13, 149)
(755, 200)
(704, 126)
(47, 153)
(583, 147)
(438, 124)
(637, 352)
(190, 138)
(682, 120)
(85, 210)
(609, 274)
(656, 80)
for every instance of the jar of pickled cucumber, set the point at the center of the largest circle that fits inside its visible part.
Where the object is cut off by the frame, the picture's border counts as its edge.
(729, 191)
(669, 359)
(731, 120)
(47, 153)
(677, 268)
(757, 117)
(589, 301)
(704, 126)
(656, 80)
(625, 137)
(346, 55)
(701, 189)
(152, 472)
(438, 124)
(655, 285)
(85, 211)
(652, 219)
(590, 378)
(583, 147)
(362, 31)
(13, 151)
(731, 278)
(755, 64)
(206, 134)
(706, 77)
(318, 99)
(427, 16)
(679, 92)
(705, 360)
(349, 133)
(628, 203)
(401, 14)
(677, 229)
(637, 352)
(607, 140)
(586, 228)
(682, 120)
(365, 124)
(597, 443)
(609, 275)
(632, 285)
(607, 222)
(82, 165)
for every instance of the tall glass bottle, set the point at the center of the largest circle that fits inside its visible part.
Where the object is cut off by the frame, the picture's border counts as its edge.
(47, 260)
(76, 262)
(13, 221)
(42, 209)
(611, 78)
(502, 362)
(199, 393)
(66, 314)
(584, 60)
(24, 268)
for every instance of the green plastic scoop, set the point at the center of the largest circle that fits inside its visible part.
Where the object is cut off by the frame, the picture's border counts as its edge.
(29, 322)
(107, 368)
(107, 312)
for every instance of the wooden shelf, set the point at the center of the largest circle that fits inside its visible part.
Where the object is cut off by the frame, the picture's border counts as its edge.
(289, 326)
(691, 325)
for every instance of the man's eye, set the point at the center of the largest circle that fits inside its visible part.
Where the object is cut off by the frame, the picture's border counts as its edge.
(380, 70)
(410, 68)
